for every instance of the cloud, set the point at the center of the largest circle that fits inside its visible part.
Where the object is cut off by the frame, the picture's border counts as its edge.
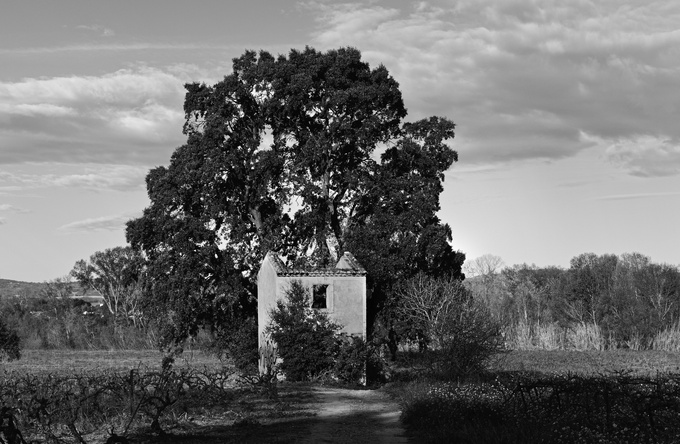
(528, 79)
(13, 209)
(101, 30)
(131, 116)
(647, 156)
(105, 223)
(91, 177)
(116, 47)
(3, 221)
(637, 196)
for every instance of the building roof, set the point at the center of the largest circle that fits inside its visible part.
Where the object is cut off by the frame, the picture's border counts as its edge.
(347, 266)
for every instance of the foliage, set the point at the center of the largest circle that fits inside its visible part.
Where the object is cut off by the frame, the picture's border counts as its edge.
(306, 339)
(456, 333)
(397, 233)
(628, 298)
(239, 343)
(10, 346)
(528, 409)
(226, 198)
(117, 274)
(354, 354)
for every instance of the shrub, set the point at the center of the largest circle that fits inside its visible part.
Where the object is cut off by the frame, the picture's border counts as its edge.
(461, 332)
(9, 342)
(350, 364)
(306, 339)
(239, 342)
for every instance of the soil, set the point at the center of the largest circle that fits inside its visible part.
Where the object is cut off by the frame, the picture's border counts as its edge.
(355, 416)
(300, 414)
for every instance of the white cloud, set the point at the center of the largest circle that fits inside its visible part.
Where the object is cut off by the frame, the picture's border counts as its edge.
(527, 79)
(36, 109)
(637, 196)
(129, 116)
(3, 221)
(101, 30)
(647, 155)
(105, 223)
(91, 177)
(13, 209)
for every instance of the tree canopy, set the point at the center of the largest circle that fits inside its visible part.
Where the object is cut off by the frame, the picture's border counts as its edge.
(282, 155)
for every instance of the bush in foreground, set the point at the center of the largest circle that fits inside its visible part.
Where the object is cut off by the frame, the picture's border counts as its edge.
(310, 344)
(528, 409)
(83, 407)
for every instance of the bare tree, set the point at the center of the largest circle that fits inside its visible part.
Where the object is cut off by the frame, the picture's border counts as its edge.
(462, 333)
(485, 265)
(117, 274)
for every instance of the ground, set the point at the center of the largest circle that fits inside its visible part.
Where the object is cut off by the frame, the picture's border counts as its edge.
(352, 416)
(303, 414)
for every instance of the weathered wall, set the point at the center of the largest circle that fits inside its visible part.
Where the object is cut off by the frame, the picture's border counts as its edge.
(266, 295)
(346, 299)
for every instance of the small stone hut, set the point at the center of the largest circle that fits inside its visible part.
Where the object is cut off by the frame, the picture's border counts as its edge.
(339, 291)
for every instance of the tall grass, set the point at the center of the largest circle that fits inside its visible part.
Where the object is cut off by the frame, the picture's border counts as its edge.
(550, 336)
(584, 337)
(668, 339)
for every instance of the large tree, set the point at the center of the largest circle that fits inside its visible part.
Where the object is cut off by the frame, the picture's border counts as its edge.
(280, 155)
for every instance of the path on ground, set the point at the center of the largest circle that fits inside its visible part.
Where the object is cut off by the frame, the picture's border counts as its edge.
(355, 416)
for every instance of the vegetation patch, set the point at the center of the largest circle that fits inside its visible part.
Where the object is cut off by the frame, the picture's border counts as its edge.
(528, 408)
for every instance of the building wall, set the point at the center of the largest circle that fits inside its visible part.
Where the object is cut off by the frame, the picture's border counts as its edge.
(266, 296)
(346, 299)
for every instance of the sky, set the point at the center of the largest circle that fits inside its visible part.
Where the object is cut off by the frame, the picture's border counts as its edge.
(566, 114)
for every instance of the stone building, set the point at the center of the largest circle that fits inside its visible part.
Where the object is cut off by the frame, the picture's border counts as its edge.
(339, 291)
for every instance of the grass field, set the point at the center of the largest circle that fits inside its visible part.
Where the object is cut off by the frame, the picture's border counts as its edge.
(647, 362)
(70, 361)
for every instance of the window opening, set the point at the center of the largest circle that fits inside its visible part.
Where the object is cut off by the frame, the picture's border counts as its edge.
(319, 296)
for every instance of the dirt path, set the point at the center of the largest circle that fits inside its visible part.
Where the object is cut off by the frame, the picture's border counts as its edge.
(301, 414)
(355, 416)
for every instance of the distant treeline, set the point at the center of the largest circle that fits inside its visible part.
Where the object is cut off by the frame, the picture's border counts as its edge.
(619, 301)
(10, 288)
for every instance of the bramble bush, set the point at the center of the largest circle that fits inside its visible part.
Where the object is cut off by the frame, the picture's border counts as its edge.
(532, 408)
(82, 407)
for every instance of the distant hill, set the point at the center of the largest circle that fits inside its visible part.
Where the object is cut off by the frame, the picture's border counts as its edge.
(10, 288)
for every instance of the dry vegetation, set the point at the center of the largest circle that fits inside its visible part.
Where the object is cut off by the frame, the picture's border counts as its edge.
(87, 396)
(540, 396)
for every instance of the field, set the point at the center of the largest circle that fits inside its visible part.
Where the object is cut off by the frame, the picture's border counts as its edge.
(527, 397)
(642, 363)
(86, 396)
(551, 397)
(76, 361)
